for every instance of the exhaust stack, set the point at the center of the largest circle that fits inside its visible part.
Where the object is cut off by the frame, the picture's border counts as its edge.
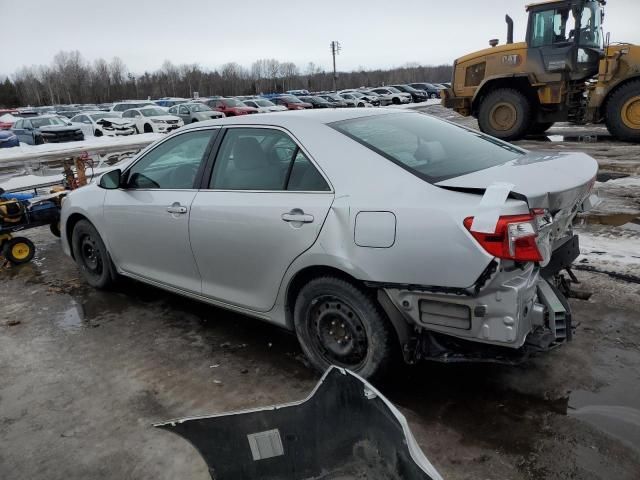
(509, 21)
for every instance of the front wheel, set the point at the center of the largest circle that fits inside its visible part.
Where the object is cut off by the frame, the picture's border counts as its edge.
(623, 113)
(338, 323)
(90, 254)
(505, 113)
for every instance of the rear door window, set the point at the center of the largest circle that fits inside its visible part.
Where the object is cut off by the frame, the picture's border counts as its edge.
(430, 148)
(263, 159)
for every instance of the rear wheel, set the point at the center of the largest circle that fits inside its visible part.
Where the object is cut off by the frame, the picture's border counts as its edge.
(623, 113)
(18, 250)
(91, 255)
(538, 128)
(432, 95)
(505, 113)
(338, 323)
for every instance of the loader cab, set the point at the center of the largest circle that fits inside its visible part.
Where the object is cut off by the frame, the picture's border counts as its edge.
(566, 37)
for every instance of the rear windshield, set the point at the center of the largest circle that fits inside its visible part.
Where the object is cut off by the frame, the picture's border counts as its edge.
(430, 148)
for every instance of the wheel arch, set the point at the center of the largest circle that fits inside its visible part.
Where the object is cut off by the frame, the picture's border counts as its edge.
(515, 82)
(614, 89)
(69, 225)
(402, 328)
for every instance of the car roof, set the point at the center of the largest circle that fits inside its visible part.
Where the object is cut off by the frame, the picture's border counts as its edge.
(289, 119)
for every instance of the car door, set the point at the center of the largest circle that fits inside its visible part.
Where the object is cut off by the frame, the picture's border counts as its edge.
(147, 219)
(263, 206)
(18, 130)
(85, 125)
(183, 113)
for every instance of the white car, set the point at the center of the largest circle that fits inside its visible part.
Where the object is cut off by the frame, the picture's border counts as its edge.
(109, 124)
(153, 120)
(120, 107)
(397, 97)
(455, 254)
(356, 98)
(264, 106)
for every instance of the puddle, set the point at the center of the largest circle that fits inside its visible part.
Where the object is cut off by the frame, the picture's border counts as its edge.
(614, 220)
(606, 176)
(95, 308)
(614, 409)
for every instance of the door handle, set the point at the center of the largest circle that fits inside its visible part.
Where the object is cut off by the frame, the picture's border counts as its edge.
(176, 208)
(297, 216)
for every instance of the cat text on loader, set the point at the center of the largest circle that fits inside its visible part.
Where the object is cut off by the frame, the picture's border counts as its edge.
(563, 71)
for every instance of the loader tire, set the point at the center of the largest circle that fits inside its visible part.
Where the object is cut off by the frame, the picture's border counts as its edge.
(505, 113)
(339, 323)
(622, 114)
(538, 128)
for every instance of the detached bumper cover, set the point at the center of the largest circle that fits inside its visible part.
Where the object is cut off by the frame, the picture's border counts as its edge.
(344, 429)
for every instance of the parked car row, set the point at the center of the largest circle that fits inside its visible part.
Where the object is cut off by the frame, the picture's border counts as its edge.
(60, 123)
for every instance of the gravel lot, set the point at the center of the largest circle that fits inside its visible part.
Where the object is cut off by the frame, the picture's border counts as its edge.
(84, 373)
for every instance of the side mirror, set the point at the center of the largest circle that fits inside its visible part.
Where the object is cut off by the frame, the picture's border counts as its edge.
(111, 180)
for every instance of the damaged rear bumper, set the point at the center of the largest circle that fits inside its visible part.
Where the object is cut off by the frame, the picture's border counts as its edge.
(516, 312)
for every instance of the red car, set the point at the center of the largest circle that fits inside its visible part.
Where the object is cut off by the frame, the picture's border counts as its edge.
(6, 124)
(231, 107)
(291, 102)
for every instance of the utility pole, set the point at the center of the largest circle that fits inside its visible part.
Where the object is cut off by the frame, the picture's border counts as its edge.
(335, 50)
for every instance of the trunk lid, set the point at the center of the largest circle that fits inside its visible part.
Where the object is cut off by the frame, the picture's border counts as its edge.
(551, 180)
(556, 181)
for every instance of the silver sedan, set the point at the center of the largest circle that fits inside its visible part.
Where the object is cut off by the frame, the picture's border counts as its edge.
(371, 233)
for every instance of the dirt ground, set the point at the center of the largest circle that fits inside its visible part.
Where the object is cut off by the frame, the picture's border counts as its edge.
(84, 374)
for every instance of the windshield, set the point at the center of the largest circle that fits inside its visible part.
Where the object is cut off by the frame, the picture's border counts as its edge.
(199, 108)
(152, 112)
(393, 89)
(99, 116)
(318, 99)
(591, 26)
(43, 122)
(264, 103)
(232, 102)
(428, 147)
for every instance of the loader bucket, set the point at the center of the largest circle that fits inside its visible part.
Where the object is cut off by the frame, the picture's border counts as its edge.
(344, 430)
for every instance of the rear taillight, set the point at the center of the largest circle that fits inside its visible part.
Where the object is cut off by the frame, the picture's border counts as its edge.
(514, 238)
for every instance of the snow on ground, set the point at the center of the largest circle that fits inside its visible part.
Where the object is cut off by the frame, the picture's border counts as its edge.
(612, 249)
(27, 152)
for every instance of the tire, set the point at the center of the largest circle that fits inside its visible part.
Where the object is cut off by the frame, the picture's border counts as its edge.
(338, 323)
(194, 120)
(538, 128)
(55, 228)
(622, 114)
(505, 113)
(395, 101)
(148, 128)
(18, 250)
(91, 255)
(432, 95)
(97, 133)
(38, 141)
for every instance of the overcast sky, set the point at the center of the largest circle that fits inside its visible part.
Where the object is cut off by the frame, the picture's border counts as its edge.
(373, 33)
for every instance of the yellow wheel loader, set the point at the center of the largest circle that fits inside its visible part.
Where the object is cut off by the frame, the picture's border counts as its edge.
(563, 71)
